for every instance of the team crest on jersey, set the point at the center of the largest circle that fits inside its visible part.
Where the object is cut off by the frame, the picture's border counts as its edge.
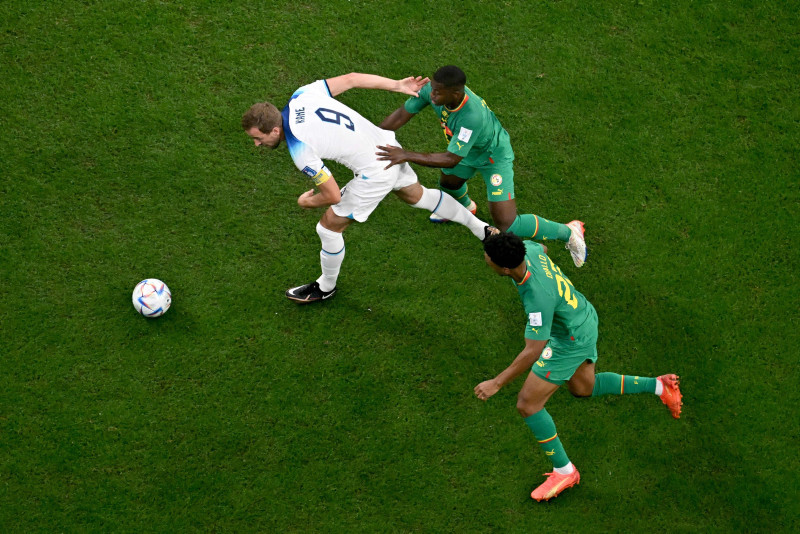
(496, 180)
(547, 353)
(308, 171)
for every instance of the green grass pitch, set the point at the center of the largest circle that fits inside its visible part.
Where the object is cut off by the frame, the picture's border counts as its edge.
(669, 128)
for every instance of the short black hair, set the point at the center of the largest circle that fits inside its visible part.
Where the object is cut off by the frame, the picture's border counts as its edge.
(505, 249)
(450, 76)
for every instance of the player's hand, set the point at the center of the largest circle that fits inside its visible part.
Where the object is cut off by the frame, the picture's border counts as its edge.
(486, 389)
(304, 200)
(411, 85)
(394, 154)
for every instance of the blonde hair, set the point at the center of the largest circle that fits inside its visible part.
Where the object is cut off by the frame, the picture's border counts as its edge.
(263, 116)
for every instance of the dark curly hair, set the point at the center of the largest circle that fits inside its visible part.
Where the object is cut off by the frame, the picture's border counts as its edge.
(505, 249)
(450, 76)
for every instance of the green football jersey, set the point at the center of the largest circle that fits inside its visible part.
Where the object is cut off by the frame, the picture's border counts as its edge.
(472, 130)
(556, 310)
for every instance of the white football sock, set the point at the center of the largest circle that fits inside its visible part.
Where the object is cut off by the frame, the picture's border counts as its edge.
(567, 469)
(446, 206)
(330, 257)
(659, 387)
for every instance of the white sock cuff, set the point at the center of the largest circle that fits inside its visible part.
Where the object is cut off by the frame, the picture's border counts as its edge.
(566, 470)
(332, 242)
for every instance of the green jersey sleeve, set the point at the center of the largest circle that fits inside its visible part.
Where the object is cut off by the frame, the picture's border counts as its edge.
(539, 305)
(540, 319)
(416, 104)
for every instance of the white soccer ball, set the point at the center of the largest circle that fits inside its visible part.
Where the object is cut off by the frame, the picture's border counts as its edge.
(152, 297)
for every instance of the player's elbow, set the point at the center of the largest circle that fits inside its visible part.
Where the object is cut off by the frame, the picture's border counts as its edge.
(333, 197)
(350, 80)
(451, 160)
(340, 84)
(388, 124)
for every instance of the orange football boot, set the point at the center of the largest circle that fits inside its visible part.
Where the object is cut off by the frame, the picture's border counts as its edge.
(671, 396)
(555, 484)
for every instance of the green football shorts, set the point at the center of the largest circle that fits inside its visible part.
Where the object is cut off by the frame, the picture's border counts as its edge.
(499, 178)
(559, 361)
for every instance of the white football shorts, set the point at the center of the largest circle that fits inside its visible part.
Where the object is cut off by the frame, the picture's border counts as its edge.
(363, 193)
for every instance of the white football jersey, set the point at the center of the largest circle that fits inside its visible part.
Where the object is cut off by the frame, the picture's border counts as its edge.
(317, 127)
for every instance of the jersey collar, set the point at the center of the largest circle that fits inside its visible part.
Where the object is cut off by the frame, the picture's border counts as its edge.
(461, 105)
(525, 278)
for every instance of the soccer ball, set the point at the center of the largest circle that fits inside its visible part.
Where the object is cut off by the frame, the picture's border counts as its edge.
(152, 297)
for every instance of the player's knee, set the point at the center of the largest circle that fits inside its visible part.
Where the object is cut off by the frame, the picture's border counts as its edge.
(450, 182)
(503, 218)
(411, 194)
(580, 389)
(525, 407)
(503, 223)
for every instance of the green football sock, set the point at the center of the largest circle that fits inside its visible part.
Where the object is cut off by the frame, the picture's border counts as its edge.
(459, 194)
(529, 226)
(543, 427)
(614, 384)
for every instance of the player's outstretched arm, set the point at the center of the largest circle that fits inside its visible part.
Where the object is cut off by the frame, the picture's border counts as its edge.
(396, 155)
(397, 119)
(524, 361)
(357, 80)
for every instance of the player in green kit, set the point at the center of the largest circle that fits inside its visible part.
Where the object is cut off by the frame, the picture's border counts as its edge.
(560, 348)
(477, 143)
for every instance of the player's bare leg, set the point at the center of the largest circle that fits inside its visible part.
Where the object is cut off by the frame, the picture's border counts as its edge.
(582, 382)
(333, 222)
(451, 181)
(438, 202)
(329, 229)
(503, 213)
(534, 395)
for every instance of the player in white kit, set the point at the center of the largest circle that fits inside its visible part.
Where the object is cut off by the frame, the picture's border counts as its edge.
(316, 126)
